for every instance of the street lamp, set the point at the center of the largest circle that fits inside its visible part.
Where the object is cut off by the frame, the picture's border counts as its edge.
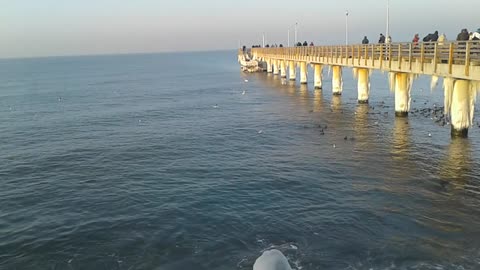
(346, 27)
(296, 25)
(288, 38)
(388, 19)
(288, 35)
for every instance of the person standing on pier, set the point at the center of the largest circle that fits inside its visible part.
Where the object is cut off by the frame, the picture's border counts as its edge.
(415, 40)
(475, 35)
(463, 35)
(381, 39)
(365, 40)
(441, 39)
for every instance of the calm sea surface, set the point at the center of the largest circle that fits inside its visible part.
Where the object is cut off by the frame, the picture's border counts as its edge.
(160, 162)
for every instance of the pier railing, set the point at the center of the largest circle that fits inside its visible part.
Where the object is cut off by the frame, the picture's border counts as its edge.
(451, 58)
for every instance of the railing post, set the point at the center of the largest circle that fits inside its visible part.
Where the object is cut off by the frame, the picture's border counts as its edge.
(373, 55)
(353, 53)
(381, 55)
(435, 55)
(422, 56)
(365, 50)
(336, 54)
(450, 58)
(389, 47)
(399, 58)
(467, 59)
(341, 53)
(358, 54)
(410, 56)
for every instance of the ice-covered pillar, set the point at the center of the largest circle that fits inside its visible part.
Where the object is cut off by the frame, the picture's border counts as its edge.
(292, 70)
(269, 66)
(317, 80)
(303, 72)
(363, 84)
(401, 83)
(337, 82)
(459, 105)
(275, 67)
(283, 69)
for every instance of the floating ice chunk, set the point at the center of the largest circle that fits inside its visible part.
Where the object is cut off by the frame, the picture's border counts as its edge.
(272, 260)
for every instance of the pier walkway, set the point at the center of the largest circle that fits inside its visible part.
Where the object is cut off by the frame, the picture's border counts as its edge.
(458, 63)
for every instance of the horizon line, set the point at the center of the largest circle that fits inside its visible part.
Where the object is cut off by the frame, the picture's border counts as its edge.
(109, 54)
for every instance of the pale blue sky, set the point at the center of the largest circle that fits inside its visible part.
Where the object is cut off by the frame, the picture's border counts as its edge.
(73, 27)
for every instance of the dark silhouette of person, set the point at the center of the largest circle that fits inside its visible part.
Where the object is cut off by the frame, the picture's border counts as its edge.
(281, 45)
(311, 43)
(305, 43)
(381, 39)
(365, 40)
(431, 37)
(463, 35)
(299, 44)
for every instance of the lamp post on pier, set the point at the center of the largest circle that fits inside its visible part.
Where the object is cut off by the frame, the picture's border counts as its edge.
(388, 20)
(346, 27)
(296, 26)
(288, 35)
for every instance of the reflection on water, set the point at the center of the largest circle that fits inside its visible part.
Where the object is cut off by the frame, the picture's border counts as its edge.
(457, 165)
(361, 128)
(401, 139)
(336, 103)
(318, 105)
(303, 91)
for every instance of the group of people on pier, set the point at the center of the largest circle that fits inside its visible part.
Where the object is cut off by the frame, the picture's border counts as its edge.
(464, 35)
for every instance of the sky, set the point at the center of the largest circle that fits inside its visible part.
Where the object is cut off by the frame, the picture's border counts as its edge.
(37, 28)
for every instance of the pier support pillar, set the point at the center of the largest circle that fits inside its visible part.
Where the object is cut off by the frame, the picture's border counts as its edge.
(292, 70)
(283, 69)
(460, 106)
(275, 67)
(318, 76)
(402, 85)
(269, 66)
(337, 82)
(363, 84)
(303, 72)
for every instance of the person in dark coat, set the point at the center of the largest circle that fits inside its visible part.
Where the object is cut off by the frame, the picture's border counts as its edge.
(299, 44)
(431, 37)
(381, 39)
(463, 35)
(365, 40)
(305, 43)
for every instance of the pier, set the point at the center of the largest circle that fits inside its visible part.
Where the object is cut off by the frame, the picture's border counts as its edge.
(458, 63)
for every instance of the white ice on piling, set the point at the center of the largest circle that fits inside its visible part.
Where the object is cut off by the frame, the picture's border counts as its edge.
(433, 82)
(463, 118)
(448, 93)
(272, 260)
